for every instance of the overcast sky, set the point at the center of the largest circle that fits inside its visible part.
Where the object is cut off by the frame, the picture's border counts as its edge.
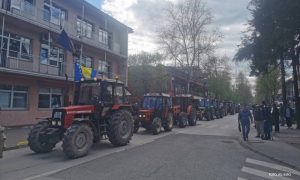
(144, 17)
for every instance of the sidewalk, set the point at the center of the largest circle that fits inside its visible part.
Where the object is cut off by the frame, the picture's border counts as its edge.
(289, 136)
(285, 147)
(16, 137)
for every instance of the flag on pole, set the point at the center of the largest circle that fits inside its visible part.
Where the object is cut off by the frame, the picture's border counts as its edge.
(65, 41)
(83, 72)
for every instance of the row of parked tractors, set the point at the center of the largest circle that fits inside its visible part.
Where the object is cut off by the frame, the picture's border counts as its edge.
(159, 110)
(101, 110)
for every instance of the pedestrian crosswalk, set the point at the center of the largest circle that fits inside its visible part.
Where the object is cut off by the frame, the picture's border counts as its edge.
(267, 170)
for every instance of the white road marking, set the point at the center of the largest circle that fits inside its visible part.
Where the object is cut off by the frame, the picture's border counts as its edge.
(263, 174)
(273, 166)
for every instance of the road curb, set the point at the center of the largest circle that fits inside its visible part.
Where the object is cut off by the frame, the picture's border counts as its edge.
(247, 146)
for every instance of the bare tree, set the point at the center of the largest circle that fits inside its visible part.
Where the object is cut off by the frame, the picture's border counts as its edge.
(214, 65)
(185, 36)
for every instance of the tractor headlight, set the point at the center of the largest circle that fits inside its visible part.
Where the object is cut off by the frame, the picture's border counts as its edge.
(53, 123)
(144, 115)
(140, 115)
(59, 123)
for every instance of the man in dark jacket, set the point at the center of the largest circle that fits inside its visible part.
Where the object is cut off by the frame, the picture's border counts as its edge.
(289, 113)
(267, 117)
(259, 122)
(244, 119)
(275, 116)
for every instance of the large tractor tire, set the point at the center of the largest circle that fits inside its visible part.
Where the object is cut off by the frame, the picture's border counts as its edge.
(183, 120)
(120, 128)
(34, 141)
(168, 125)
(207, 116)
(77, 140)
(156, 126)
(193, 117)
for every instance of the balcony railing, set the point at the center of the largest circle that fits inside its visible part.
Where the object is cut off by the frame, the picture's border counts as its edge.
(41, 17)
(32, 65)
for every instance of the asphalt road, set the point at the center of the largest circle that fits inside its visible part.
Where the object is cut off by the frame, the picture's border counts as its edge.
(210, 150)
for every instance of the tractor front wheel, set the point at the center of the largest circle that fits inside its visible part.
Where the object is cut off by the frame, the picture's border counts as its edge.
(77, 140)
(183, 120)
(120, 128)
(193, 117)
(156, 126)
(34, 140)
(168, 125)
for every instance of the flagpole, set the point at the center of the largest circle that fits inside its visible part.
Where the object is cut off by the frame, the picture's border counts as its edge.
(2, 45)
(81, 28)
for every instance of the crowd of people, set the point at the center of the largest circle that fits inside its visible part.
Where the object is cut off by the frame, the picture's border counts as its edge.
(265, 117)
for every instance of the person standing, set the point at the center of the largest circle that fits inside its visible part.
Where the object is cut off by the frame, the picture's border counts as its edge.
(244, 119)
(259, 123)
(267, 117)
(288, 116)
(275, 117)
(281, 114)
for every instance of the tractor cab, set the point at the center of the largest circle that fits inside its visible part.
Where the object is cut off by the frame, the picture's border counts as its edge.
(107, 91)
(155, 113)
(100, 111)
(188, 113)
(197, 103)
(205, 105)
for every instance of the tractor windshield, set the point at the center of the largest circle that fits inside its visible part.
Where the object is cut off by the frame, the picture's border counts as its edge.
(202, 103)
(88, 91)
(152, 103)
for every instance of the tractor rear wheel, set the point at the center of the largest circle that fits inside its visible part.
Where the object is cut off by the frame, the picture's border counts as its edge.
(156, 126)
(183, 120)
(168, 124)
(77, 140)
(120, 128)
(193, 117)
(34, 141)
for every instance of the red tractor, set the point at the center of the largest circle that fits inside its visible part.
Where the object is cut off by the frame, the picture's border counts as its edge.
(156, 112)
(188, 113)
(101, 111)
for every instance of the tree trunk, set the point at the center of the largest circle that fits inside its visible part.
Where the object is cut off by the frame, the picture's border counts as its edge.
(296, 90)
(283, 86)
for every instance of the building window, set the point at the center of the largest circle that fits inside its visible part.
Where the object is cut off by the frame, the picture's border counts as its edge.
(13, 97)
(103, 67)
(26, 6)
(17, 46)
(54, 14)
(103, 37)
(85, 61)
(52, 55)
(84, 28)
(50, 97)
